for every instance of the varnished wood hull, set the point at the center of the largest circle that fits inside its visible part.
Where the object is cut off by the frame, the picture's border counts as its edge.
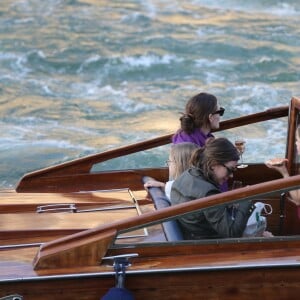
(73, 265)
(269, 284)
(230, 272)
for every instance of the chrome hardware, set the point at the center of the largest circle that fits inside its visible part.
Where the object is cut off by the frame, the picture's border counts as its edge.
(106, 208)
(56, 208)
(281, 211)
(66, 207)
(12, 297)
(121, 262)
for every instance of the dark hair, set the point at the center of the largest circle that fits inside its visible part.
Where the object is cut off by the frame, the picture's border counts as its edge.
(197, 111)
(215, 151)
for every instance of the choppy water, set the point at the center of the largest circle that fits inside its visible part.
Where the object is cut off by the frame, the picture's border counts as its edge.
(79, 77)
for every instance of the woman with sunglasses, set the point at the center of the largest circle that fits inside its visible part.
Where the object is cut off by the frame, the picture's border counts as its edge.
(212, 164)
(202, 115)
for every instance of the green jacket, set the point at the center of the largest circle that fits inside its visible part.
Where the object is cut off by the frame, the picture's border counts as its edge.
(222, 221)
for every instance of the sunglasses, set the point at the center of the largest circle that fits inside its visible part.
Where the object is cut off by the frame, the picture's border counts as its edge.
(220, 111)
(230, 171)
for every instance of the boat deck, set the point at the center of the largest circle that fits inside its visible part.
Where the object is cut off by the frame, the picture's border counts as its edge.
(41, 217)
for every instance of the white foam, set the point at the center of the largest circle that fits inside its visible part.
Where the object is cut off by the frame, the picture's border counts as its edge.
(219, 62)
(283, 9)
(88, 61)
(42, 143)
(149, 60)
(130, 106)
(251, 7)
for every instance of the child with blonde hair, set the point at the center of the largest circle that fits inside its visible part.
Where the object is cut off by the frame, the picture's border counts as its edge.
(178, 162)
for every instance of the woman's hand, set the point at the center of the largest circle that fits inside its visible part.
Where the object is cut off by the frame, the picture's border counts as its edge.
(278, 164)
(267, 234)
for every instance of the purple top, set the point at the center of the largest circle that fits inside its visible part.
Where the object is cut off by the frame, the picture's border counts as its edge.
(199, 138)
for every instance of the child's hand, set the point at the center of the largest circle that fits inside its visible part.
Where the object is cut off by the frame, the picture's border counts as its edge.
(153, 183)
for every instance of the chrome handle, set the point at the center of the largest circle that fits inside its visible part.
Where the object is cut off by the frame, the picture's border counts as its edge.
(56, 208)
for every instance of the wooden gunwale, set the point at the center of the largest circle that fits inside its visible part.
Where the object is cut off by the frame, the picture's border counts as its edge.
(84, 164)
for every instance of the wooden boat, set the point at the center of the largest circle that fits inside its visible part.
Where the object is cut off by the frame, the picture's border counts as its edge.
(84, 262)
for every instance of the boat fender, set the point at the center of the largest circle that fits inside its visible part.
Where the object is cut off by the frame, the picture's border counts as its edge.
(121, 262)
(116, 293)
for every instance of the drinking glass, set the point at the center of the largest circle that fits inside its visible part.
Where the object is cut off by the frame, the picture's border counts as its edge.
(241, 147)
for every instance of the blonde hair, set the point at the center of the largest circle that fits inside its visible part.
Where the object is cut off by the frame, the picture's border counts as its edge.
(181, 154)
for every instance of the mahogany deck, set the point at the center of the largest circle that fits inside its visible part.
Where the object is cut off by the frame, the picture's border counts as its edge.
(21, 223)
(12, 202)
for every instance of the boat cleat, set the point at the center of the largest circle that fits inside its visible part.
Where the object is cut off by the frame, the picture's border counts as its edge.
(120, 263)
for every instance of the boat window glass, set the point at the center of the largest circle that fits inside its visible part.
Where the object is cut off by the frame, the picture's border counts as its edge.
(151, 158)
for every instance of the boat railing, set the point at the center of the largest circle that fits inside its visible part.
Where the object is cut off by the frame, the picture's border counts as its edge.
(85, 164)
(69, 175)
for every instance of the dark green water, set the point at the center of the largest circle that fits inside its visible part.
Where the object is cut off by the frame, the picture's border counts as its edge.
(79, 77)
